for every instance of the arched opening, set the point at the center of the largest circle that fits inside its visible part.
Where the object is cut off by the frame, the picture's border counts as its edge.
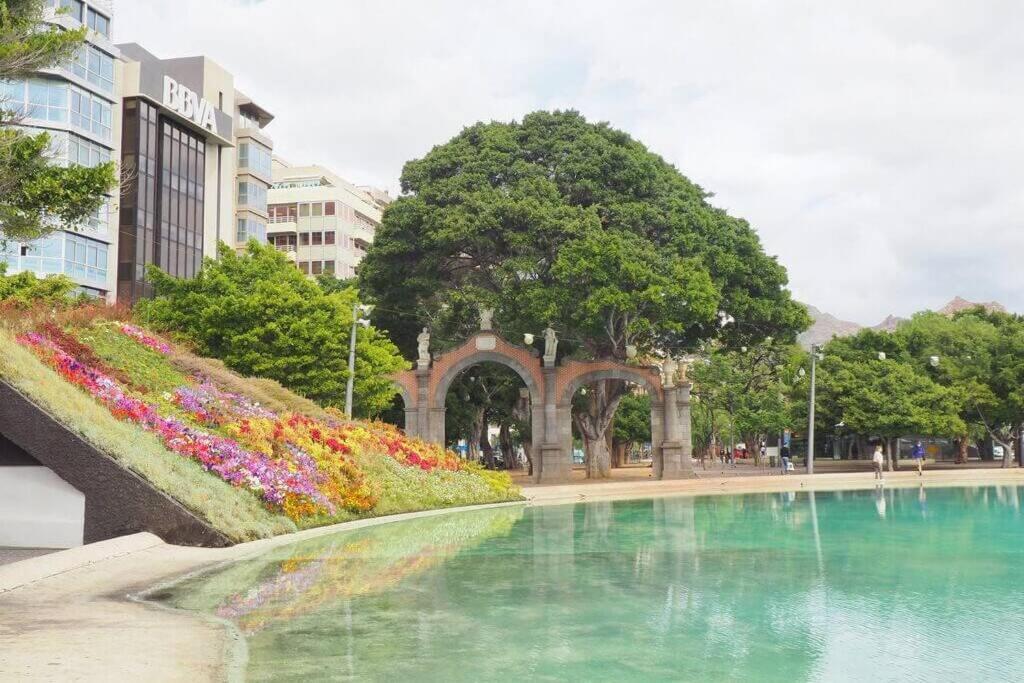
(395, 413)
(630, 441)
(488, 415)
(630, 436)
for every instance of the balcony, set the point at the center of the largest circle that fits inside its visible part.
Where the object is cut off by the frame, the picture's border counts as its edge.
(288, 250)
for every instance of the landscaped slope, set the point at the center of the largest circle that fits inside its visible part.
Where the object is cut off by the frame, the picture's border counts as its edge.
(244, 455)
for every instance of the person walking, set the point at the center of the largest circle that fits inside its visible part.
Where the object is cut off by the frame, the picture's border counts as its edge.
(785, 457)
(917, 453)
(878, 459)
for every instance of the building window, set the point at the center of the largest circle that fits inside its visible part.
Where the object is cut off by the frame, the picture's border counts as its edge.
(85, 259)
(329, 267)
(317, 268)
(95, 66)
(90, 113)
(99, 23)
(304, 239)
(250, 229)
(254, 157)
(86, 153)
(161, 212)
(318, 239)
(74, 7)
(304, 209)
(329, 237)
(253, 195)
(284, 242)
(247, 120)
(38, 98)
(304, 267)
(328, 208)
(282, 213)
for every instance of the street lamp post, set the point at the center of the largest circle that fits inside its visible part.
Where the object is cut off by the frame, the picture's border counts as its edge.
(810, 412)
(356, 320)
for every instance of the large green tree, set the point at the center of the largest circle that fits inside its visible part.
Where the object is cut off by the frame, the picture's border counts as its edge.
(555, 220)
(261, 316)
(885, 396)
(979, 355)
(745, 386)
(36, 196)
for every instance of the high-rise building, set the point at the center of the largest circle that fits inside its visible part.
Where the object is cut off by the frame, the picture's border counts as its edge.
(194, 160)
(195, 163)
(323, 222)
(79, 106)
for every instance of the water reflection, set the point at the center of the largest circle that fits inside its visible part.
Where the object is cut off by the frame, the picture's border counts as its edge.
(895, 583)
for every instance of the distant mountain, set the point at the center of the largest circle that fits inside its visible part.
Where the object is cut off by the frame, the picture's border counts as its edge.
(889, 324)
(826, 325)
(959, 304)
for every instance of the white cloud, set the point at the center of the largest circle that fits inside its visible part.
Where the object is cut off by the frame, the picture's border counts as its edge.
(876, 147)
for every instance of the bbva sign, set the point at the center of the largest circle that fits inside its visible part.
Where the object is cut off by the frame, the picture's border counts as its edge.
(189, 104)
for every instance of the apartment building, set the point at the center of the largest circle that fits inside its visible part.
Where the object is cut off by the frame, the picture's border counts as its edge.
(196, 165)
(78, 105)
(323, 222)
(194, 159)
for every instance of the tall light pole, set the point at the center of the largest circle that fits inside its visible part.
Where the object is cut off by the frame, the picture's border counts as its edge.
(356, 320)
(810, 412)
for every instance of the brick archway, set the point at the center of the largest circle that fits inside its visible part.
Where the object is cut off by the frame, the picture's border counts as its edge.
(551, 388)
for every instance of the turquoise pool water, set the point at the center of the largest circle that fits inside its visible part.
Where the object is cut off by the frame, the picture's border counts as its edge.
(894, 585)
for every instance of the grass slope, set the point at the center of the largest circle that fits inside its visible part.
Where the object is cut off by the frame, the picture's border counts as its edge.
(235, 510)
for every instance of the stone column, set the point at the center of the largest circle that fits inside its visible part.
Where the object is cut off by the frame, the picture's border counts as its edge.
(552, 465)
(677, 449)
(423, 404)
(657, 436)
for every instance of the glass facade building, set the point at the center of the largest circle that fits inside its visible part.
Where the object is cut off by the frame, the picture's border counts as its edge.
(162, 207)
(75, 105)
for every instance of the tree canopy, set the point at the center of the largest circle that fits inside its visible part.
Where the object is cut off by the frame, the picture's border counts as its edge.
(555, 220)
(261, 316)
(36, 196)
(937, 375)
(558, 220)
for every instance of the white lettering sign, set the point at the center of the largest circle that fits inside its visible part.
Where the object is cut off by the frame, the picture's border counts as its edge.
(189, 104)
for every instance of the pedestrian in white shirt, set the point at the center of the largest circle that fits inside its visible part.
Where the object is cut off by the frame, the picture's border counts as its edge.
(878, 459)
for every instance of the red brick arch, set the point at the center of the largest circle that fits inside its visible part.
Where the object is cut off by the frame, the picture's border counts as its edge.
(405, 382)
(574, 374)
(551, 388)
(522, 360)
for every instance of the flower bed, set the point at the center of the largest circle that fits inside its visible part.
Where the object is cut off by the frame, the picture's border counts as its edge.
(295, 464)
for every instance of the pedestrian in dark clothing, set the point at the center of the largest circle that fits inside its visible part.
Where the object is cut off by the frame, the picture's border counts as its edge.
(917, 453)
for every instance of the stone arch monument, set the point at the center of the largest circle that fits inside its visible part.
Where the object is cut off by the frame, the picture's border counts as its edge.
(551, 387)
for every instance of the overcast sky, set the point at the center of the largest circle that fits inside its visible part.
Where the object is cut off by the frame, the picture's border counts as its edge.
(877, 147)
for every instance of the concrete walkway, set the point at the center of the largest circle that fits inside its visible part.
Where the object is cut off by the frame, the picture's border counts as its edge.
(69, 616)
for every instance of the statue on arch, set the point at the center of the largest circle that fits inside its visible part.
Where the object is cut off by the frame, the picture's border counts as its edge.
(550, 344)
(423, 347)
(669, 368)
(486, 319)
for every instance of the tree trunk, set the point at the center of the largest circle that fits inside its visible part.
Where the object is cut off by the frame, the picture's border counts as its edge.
(889, 455)
(619, 449)
(863, 448)
(529, 458)
(485, 447)
(1008, 450)
(473, 452)
(595, 422)
(507, 451)
(984, 449)
(962, 450)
